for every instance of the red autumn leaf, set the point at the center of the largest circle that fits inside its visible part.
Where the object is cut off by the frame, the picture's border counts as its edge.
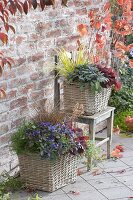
(100, 40)
(64, 2)
(116, 153)
(82, 29)
(6, 27)
(49, 2)
(128, 15)
(129, 47)
(12, 28)
(2, 93)
(5, 2)
(118, 86)
(42, 4)
(96, 59)
(121, 46)
(131, 63)
(3, 38)
(19, 6)
(120, 147)
(34, 4)
(12, 7)
(1, 7)
(107, 6)
(122, 27)
(121, 2)
(97, 25)
(91, 14)
(108, 20)
(25, 7)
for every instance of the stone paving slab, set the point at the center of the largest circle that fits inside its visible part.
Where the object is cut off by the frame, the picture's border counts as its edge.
(127, 180)
(128, 160)
(111, 164)
(126, 172)
(89, 176)
(81, 185)
(116, 193)
(88, 195)
(105, 183)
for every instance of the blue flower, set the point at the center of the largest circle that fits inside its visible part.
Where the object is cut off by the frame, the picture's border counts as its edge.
(45, 123)
(131, 52)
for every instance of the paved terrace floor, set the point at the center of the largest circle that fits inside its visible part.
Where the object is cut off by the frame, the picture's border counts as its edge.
(114, 182)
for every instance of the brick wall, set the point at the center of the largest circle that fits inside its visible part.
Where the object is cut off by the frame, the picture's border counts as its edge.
(37, 37)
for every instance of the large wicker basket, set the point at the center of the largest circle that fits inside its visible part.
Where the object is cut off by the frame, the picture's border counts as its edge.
(92, 101)
(47, 175)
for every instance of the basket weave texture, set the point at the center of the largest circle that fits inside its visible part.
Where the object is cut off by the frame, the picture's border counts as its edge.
(92, 101)
(47, 175)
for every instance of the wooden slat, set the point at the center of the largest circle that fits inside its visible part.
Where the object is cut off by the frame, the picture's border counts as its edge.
(102, 142)
(56, 88)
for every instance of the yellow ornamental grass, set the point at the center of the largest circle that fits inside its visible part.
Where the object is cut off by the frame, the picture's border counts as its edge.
(68, 62)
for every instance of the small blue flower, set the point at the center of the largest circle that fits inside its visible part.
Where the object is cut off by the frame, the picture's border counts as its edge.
(131, 52)
(45, 123)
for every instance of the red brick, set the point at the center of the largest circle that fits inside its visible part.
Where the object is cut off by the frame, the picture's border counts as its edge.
(15, 83)
(82, 11)
(20, 61)
(36, 95)
(20, 39)
(17, 123)
(36, 57)
(53, 34)
(4, 139)
(26, 88)
(43, 26)
(18, 103)
(34, 76)
(24, 111)
(11, 94)
(3, 128)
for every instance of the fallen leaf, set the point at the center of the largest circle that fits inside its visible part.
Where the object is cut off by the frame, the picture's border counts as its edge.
(97, 172)
(75, 192)
(120, 147)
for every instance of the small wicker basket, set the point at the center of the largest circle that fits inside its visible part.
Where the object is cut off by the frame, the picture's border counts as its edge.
(92, 101)
(47, 175)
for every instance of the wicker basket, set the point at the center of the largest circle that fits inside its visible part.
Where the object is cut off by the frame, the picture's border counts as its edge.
(47, 175)
(92, 101)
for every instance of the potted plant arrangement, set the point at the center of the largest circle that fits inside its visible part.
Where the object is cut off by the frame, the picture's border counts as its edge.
(85, 82)
(47, 152)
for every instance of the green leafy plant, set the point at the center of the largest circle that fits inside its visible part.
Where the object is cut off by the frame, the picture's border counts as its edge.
(93, 151)
(8, 184)
(119, 119)
(123, 100)
(87, 74)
